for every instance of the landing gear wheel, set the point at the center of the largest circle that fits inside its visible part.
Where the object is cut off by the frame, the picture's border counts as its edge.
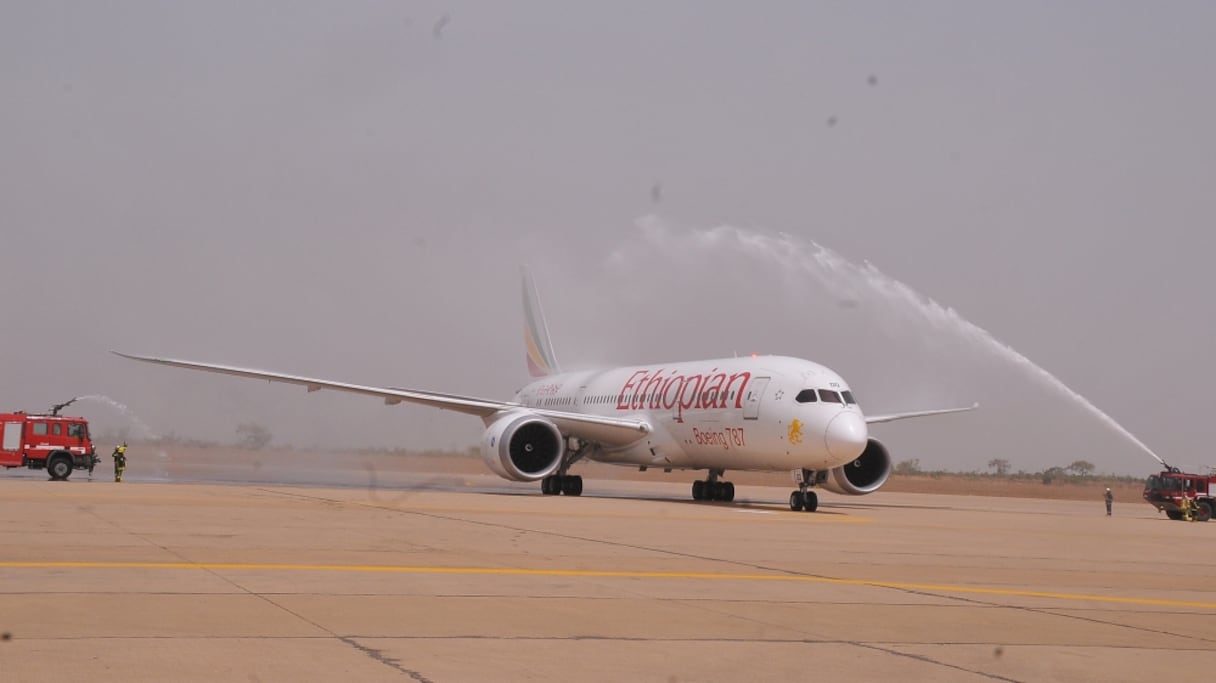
(811, 501)
(712, 489)
(797, 501)
(569, 484)
(698, 490)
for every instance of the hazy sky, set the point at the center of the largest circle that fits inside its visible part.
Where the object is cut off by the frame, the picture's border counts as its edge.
(347, 190)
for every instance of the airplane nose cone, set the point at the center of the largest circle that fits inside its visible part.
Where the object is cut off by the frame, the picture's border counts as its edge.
(846, 436)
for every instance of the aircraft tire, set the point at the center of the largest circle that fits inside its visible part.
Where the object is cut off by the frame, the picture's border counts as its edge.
(571, 485)
(810, 502)
(550, 486)
(728, 491)
(797, 501)
(698, 490)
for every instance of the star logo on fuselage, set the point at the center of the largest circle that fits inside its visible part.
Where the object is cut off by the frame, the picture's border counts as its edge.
(795, 433)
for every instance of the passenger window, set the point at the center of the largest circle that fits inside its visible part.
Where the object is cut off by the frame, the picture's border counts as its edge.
(848, 397)
(39, 429)
(806, 396)
(828, 396)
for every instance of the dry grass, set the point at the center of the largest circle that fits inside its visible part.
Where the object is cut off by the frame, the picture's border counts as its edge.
(1089, 488)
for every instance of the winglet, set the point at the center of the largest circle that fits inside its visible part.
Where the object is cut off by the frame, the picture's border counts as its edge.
(541, 359)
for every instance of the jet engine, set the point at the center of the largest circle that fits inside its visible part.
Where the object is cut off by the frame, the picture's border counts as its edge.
(522, 447)
(864, 475)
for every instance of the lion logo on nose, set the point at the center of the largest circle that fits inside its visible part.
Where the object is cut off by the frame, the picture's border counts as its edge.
(795, 433)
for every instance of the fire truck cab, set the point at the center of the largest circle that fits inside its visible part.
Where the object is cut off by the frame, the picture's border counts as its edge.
(52, 442)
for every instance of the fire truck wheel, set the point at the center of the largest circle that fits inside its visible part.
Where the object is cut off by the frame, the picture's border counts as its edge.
(1203, 511)
(60, 467)
(1173, 514)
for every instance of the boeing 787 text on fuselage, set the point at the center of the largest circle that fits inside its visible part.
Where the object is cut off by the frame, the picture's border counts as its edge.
(766, 413)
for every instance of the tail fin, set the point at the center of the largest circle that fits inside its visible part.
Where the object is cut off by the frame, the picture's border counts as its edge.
(541, 360)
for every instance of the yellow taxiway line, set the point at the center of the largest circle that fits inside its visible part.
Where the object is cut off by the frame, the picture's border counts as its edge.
(611, 574)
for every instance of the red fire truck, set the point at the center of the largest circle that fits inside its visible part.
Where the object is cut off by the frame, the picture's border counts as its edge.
(46, 441)
(1165, 491)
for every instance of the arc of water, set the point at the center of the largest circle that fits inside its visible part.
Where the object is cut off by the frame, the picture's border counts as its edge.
(845, 278)
(141, 426)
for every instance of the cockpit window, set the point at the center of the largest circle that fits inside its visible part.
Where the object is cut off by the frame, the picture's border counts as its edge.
(828, 396)
(806, 396)
(848, 397)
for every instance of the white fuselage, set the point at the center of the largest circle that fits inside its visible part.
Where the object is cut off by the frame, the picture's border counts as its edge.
(751, 413)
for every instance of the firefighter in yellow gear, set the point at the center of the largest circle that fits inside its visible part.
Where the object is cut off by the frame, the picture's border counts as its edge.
(1187, 513)
(120, 460)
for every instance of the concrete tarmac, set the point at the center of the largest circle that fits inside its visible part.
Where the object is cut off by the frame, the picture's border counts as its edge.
(473, 579)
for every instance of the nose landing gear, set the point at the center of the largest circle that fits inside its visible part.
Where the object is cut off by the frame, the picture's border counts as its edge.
(804, 498)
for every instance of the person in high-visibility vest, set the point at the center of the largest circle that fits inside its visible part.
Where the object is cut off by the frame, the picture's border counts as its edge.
(120, 460)
(1186, 508)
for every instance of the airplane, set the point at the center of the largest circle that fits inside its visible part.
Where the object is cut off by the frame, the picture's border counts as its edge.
(751, 413)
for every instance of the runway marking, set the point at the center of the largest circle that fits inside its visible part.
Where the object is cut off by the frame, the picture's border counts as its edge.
(611, 574)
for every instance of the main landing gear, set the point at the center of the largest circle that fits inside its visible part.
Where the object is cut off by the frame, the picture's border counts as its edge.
(569, 484)
(712, 489)
(562, 483)
(804, 498)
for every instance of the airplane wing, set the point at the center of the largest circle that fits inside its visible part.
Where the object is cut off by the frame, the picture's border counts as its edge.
(609, 431)
(872, 419)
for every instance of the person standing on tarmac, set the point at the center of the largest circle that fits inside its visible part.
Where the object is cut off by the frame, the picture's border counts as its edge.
(1110, 499)
(120, 460)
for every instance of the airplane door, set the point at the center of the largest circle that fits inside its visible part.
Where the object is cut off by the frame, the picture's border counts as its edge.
(12, 436)
(751, 402)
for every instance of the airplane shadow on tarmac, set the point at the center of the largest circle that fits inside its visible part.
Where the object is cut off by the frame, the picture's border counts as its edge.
(738, 504)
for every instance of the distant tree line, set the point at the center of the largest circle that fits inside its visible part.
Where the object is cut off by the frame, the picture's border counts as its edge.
(1078, 470)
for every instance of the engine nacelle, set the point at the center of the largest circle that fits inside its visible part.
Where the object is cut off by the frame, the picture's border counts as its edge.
(864, 475)
(522, 447)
